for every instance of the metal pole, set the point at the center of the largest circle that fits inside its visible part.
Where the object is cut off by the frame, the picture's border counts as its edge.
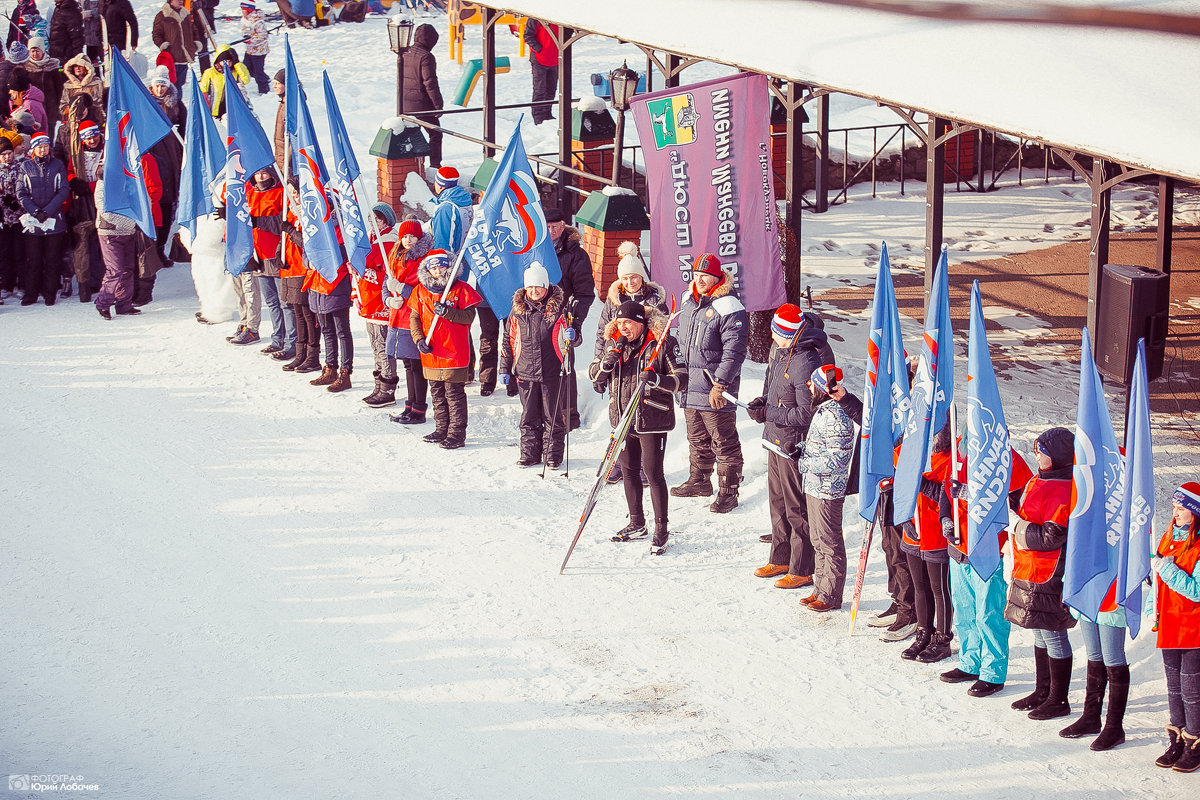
(620, 142)
(400, 83)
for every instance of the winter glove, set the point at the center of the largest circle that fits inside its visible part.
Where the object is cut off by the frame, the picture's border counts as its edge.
(79, 186)
(757, 410)
(949, 531)
(958, 490)
(714, 396)
(440, 308)
(609, 362)
(423, 347)
(505, 378)
(395, 302)
(40, 216)
(394, 286)
(650, 378)
(220, 212)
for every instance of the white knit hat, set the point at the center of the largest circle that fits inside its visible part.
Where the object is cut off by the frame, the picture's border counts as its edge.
(631, 261)
(536, 275)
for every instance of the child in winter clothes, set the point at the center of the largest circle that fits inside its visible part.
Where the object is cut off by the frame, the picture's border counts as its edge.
(1035, 595)
(331, 303)
(292, 292)
(1178, 557)
(264, 197)
(372, 307)
(22, 96)
(452, 217)
(11, 238)
(254, 31)
(212, 82)
(446, 352)
(403, 264)
(532, 354)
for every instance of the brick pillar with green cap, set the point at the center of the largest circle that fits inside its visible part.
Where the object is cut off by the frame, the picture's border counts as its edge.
(401, 150)
(608, 217)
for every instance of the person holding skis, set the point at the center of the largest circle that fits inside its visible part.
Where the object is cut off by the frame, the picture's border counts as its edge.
(785, 408)
(713, 330)
(1177, 557)
(642, 350)
(532, 354)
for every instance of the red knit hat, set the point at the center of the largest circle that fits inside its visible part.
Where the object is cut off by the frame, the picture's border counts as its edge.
(826, 377)
(1188, 496)
(708, 264)
(788, 321)
(410, 227)
(447, 177)
(87, 129)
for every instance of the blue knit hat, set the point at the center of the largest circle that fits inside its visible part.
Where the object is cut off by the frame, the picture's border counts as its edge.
(447, 177)
(384, 210)
(826, 377)
(17, 53)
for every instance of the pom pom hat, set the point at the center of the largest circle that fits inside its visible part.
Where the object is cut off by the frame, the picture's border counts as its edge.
(631, 261)
(447, 177)
(436, 259)
(788, 321)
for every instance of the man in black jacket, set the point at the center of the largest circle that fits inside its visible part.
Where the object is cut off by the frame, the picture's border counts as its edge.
(66, 30)
(577, 283)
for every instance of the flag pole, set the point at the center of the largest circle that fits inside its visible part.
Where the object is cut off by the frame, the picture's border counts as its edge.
(954, 459)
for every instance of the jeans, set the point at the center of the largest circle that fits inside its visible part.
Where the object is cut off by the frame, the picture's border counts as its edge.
(1183, 688)
(283, 318)
(335, 330)
(979, 621)
(1056, 643)
(1103, 642)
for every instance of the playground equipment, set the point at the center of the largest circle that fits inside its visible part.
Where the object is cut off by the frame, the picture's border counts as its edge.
(463, 14)
(470, 76)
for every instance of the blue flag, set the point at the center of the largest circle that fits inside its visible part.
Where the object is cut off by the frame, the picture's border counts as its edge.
(989, 457)
(1090, 564)
(203, 167)
(345, 172)
(317, 218)
(1137, 508)
(509, 232)
(885, 397)
(932, 391)
(247, 151)
(135, 123)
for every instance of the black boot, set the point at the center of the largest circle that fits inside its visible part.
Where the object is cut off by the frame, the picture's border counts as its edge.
(924, 635)
(727, 497)
(938, 648)
(636, 529)
(698, 484)
(369, 399)
(387, 396)
(1041, 681)
(403, 415)
(416, 416)
(660, 537)
(300, 357)
(1055, 704)
(1093, 700)
(1190, 760)
(1174, 749)
(1118, 693)
(311, 362)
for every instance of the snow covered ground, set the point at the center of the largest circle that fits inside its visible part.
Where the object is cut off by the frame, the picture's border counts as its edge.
(219, 581)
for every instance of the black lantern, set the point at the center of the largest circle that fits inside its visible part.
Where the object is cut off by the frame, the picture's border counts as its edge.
(623, 83)
(400, 35)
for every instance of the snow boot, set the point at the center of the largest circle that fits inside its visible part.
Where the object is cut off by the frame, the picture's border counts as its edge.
(1118, 694)
(924, 637)
(1190, 760)
(1174, 749)
(342, 383)
(614, 474)
(373, 396)
(1093, 700)
(435, 437)
(727, 497)
(659, 543)
(636, 529)
(403, 415)
(1055, 704)
(416, 416)
(299, 358)
(312, 361)
(937, 650)
(388, 397)
(698, 484)
(328, 375)
(1041, 681)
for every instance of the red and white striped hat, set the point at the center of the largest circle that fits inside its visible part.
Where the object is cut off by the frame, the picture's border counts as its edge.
(88, 129)
(1188, 496)
(788, 321)
(39, 138)
(446, 177)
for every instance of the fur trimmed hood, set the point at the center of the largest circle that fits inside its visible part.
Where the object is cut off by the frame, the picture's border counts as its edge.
(551, 305)
(656, 321)
(89, 77)
(427, 280)
(649, 289)
(570, 234)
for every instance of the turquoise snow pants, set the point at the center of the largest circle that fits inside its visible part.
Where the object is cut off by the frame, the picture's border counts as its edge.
(979, 622)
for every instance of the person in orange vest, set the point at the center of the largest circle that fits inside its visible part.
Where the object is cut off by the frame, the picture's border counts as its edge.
(264, 197)
(372, 307)
(446, 355)
(403, 265)
(292, 291)
(1178, 555)
(1035, 596)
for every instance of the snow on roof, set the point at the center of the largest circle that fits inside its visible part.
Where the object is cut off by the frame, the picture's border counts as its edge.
(1125, 95)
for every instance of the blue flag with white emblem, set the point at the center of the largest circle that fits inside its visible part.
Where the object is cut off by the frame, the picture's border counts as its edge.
(932, 391)
(1090, 556)
(509, 232)
(135, 123)
(989, 457)
(203, 167)
(247, 150)
(341, 181)
(1133, 557)
(885, 398)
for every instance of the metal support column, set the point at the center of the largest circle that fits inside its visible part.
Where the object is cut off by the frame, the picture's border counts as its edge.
(1098, 252)
(935, 190)
(489, 79)
(821, 171)
(793, 188)
(1166, 224)
(566, 198)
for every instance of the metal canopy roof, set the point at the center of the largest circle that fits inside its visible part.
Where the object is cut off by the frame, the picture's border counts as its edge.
(1128, 96)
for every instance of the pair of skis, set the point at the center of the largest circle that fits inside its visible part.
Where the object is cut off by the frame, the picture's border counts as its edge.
(616, 443)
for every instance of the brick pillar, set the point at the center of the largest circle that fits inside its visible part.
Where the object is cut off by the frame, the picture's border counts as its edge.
(393, 174)
(601, 247)
(779, 157)
(586, 157)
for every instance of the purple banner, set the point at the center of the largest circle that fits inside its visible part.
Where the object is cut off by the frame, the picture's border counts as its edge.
(708, 162)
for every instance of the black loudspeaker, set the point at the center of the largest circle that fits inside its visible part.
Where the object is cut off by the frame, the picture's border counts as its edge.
(1133, 305)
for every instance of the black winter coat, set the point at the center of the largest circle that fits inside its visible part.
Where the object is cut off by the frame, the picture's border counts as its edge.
(652, 294)
(788, 405)
(43, 187)
(118, 14)
(421, 90)
(531, 349)
(712, 335)
(578, 283)
(656, 412)
(66, 30)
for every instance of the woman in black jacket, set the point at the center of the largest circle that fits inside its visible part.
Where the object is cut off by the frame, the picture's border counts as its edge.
(421, 90)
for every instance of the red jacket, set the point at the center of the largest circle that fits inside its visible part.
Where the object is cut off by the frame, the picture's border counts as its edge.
(1044, 501)
(370, 286)
(541, 43)
(1178, 617)
(153, 186)
(928, 518)
(293, 254)
(451, 342)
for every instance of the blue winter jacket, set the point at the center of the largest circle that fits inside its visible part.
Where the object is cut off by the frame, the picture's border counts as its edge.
(712, 337)
(451, 219)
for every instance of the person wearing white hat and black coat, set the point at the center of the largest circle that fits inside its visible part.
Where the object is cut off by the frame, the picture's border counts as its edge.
(531, 355)
(577, 282)
(633, 355)
(43, 192)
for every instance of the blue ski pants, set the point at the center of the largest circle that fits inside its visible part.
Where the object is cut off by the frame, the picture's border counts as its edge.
(979, 622)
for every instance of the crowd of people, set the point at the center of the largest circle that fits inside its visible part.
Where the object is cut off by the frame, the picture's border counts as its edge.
(418, 308)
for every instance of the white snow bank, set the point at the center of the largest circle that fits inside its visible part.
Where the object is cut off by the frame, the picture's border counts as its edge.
(590, 102)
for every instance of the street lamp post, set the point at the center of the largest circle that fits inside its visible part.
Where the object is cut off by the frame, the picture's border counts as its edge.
(400, 33)
(623, 83)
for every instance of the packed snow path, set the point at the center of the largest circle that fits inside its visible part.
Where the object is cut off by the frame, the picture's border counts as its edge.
(219, 581)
